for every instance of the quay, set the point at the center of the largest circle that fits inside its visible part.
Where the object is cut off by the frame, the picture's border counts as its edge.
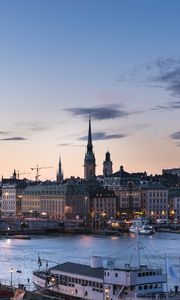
(23, 228)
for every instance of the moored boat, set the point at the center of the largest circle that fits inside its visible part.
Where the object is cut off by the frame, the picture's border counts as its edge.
(141, 227)
(96, 282)
(19, 237)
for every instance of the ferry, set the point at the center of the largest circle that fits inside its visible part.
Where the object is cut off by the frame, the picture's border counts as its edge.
(77, 281)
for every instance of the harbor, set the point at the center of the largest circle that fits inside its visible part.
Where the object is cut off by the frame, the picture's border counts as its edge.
(19, 258)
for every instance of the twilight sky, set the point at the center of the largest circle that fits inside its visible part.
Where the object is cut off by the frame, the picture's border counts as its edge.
(61, 59)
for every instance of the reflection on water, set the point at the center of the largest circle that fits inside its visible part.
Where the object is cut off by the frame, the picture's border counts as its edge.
(23, 254)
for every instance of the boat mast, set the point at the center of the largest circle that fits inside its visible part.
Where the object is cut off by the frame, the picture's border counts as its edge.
(138, 249)
(166, 269)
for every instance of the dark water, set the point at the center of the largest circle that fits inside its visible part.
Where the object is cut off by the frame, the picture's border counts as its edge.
(23, 254)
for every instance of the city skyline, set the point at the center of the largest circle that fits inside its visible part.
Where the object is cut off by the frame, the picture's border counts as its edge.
(61, 60)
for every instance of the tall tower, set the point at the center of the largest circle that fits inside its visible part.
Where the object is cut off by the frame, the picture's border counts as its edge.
(59, 172)
(89, 160)
(107, 165)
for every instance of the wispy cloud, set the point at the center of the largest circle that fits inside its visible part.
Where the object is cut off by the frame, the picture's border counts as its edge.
(70, 144)
(99, 136)
(31, 126)
(105, 112)
(4, 132)
(175, 135)
(163, 73)
(168, 74)
(174, 105)
(16, 138)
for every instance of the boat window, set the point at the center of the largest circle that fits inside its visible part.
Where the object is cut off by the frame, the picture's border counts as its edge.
(140, 287)
(116, 274)
(139, 274)
(145, 287)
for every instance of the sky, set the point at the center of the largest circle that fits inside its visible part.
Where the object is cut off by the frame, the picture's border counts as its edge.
(61, 59)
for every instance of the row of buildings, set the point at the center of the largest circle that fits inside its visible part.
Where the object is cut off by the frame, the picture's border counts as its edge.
(111, 195)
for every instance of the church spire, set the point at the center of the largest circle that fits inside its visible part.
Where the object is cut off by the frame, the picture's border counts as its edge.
(59, 173)
(89, 160)
(89, 145)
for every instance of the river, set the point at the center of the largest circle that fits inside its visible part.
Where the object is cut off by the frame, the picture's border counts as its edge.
(22, 255)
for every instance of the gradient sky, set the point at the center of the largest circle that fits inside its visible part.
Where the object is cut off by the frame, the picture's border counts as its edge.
(61, 59)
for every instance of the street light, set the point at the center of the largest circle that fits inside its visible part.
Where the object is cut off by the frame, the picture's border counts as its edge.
(106, 293)
(11, 270)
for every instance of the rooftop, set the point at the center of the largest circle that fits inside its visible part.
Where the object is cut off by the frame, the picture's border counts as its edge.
(79, 269)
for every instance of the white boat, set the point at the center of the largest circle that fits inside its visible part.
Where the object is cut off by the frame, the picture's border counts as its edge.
(146, 229)
(77, 281)
(141, 227)
(134, 228)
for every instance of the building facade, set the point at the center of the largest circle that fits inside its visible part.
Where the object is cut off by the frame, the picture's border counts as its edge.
(155, 201)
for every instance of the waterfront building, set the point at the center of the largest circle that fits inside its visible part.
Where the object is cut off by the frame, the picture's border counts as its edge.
(89, 160)
(76, 200)
(107, 165)
(155, 201)
(0, 199)
(127, 190)
(173, 171)
(12, 190)
(43, 199)
(68, 200)
(174, 204)
(102, 206)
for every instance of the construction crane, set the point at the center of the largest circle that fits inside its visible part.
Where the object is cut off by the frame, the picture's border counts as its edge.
(37, 168)
(23, 173)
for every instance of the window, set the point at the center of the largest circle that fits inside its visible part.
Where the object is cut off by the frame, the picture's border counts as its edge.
(145, 287)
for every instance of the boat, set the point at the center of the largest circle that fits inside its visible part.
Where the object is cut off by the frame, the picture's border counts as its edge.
(141, 227)
(144, 229)
(77, 281)
(19, 237)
